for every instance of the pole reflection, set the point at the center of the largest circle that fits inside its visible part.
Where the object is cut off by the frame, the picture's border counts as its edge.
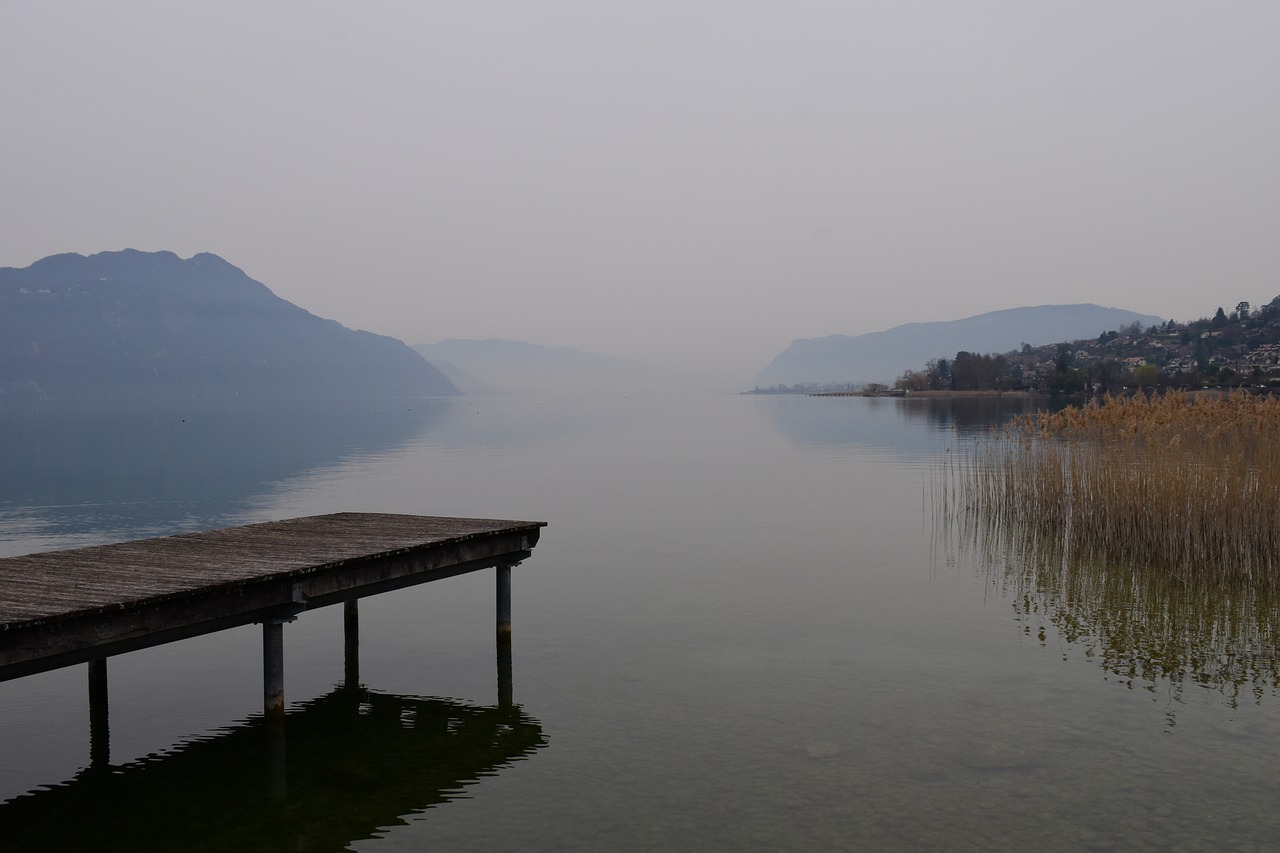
(357, 762)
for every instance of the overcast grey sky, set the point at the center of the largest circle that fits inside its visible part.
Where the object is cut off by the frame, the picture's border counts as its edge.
(676, 181)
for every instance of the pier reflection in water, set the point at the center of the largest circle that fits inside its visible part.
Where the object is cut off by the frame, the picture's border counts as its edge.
(349, 764)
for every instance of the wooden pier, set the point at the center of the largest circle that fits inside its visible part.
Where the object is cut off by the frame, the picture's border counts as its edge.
(85, 604)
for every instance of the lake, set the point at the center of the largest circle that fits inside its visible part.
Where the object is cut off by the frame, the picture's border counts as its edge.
(743, 629)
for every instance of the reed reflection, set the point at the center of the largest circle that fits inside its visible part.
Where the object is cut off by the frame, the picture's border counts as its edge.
(356, 762)
(1148, 627)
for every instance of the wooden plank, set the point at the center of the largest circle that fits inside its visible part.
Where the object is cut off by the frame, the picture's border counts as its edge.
(60, 607)
(55, 583)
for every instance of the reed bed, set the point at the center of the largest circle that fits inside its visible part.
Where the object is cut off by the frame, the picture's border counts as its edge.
(1144, 530)
(1188, 486)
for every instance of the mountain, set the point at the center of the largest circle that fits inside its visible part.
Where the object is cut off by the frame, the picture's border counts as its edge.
(883, 356)
(151, 325)
(499, 366)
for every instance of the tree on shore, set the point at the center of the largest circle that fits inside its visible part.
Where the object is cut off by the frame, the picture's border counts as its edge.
(1146, 375)
(976, 372)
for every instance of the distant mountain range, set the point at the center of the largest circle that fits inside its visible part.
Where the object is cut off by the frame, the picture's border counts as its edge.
(884, 356)
(499, 366)
(152, 325)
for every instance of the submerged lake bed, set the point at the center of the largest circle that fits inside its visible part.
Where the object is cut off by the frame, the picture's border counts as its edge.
(741, 629)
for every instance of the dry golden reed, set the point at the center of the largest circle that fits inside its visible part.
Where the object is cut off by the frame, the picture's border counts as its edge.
(1188, 485)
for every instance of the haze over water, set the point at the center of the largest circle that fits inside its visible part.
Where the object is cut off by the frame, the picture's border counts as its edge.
(741, 630)
(695, 184)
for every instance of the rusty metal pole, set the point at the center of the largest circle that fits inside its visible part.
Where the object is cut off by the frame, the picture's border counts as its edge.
(99, 718)
(351, 646)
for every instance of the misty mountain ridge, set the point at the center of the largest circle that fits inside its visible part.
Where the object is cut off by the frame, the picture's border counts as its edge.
(151, 325)
(883, 356)
(503, 366)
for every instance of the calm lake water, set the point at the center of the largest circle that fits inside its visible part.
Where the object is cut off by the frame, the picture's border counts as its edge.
(742, 629)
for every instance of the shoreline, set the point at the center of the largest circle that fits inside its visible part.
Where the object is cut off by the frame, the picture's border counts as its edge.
(930, 394)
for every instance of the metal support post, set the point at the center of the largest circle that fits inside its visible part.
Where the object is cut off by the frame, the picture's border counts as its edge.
(504, 605)
(273, 704)
(273, 670)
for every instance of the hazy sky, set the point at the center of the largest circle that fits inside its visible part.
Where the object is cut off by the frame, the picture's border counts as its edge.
(676, 181)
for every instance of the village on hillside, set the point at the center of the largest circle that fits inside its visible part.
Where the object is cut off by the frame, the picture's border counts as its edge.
(1240, 348)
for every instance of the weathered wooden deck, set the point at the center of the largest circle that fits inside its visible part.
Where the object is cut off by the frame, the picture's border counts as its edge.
(64, 607)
